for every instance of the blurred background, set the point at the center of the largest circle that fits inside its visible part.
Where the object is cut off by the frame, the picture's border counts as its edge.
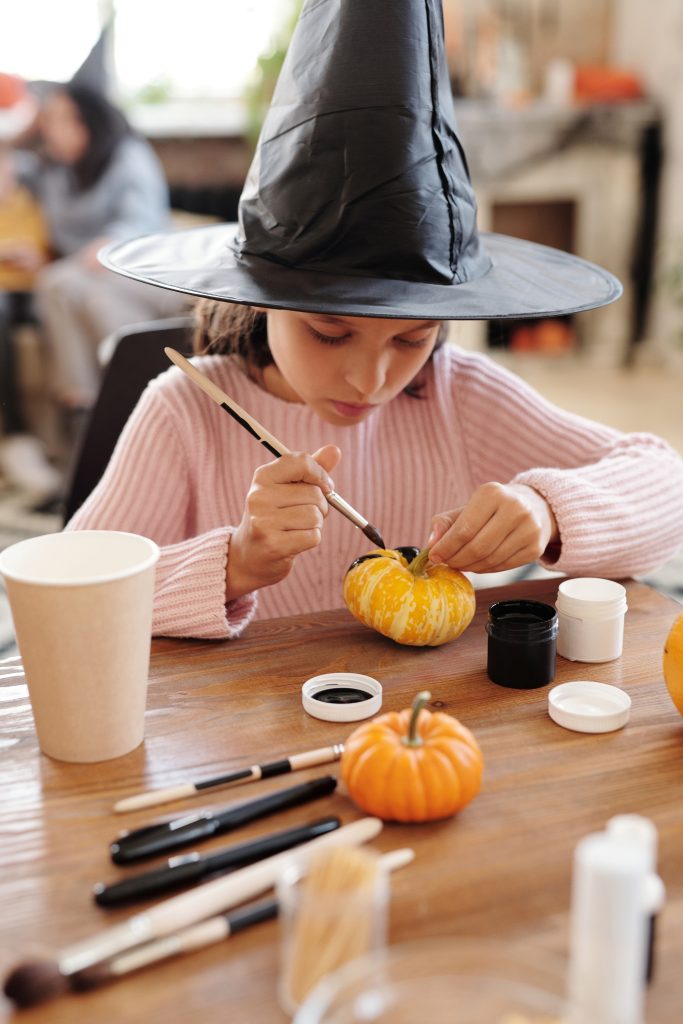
(571, 115)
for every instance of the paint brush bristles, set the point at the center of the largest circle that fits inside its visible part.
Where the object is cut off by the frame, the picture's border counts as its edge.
(268, 440)
(31, 983)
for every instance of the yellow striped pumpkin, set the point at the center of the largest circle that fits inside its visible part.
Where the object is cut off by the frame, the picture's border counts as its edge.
(402, 595)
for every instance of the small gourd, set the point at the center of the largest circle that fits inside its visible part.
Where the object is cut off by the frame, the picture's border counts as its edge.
(404, 596)
(412, 765)
(673, 662)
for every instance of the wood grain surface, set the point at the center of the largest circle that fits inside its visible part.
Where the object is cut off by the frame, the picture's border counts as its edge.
(501, 869)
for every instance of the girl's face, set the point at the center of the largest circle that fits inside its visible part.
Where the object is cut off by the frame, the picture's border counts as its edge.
(344, 367)
(64, 135)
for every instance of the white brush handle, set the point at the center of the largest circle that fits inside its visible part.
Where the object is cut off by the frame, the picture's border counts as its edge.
(154, 797)
(213, 930)
(207, 900)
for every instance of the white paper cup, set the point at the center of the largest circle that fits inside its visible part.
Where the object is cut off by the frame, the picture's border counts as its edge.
(81, 602)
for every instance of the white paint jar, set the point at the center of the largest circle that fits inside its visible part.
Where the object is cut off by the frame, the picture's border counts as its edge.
(590, 614)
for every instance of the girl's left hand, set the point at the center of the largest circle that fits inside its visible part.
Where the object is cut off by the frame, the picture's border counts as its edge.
(502, 526)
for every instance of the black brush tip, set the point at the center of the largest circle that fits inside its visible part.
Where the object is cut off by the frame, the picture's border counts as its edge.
(33, 983)
(91, 977)
(373, 534)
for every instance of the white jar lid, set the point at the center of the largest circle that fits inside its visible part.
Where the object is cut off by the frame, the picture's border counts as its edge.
(591, 597)
(587, 706)
(342, 710)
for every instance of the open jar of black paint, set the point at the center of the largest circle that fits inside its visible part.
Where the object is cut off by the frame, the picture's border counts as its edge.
(521, 646)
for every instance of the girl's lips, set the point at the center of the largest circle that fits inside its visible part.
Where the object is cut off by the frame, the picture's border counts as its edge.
(347, 409)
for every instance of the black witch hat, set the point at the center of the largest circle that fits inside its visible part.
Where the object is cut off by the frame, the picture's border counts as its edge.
(94, 72)
(358, 200)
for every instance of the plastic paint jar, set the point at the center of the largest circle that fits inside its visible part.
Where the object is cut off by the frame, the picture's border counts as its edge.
(591, 619)
(521, 646)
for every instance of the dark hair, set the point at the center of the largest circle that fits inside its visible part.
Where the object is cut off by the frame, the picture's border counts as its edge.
(226, 328)
(106, 127)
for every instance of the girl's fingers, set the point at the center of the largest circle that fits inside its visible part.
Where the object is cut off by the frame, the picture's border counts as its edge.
(494, 534)
(470, 521)
(295, 468)
(515, 550)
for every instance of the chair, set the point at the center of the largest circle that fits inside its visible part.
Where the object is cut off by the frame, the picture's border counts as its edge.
(137, 355)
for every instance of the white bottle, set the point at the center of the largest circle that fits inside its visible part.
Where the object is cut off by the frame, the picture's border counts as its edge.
(608, 932)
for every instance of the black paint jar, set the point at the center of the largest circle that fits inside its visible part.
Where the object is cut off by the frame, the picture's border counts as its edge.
(521, 645)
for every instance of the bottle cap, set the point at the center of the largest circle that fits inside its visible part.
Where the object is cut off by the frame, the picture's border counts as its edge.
(587, 706)
(341, 696)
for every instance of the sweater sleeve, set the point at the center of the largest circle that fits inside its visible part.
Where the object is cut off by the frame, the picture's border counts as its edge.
(617, 498)
(148, 489)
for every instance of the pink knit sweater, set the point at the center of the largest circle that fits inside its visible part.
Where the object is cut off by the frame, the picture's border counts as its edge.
(182, 468)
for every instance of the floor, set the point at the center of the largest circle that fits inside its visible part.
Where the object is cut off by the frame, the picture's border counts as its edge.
(646, 398)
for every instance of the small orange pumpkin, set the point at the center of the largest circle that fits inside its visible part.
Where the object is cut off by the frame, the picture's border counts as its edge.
(673, 662)
(412, 765)
(405, 597)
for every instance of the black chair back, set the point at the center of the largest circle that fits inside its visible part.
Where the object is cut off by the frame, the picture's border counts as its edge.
(137, 357)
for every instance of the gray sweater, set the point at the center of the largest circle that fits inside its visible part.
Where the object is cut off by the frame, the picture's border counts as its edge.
(129, 199)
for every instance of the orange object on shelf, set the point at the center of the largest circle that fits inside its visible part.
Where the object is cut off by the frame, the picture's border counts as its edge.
(602, 83)
(549, 337)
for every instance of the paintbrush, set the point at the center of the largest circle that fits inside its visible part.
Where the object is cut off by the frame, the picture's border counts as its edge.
(269, 442)
(32, 982)
(293, 763)
(214, 929)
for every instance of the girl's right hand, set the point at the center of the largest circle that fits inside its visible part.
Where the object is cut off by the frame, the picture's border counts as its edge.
(283, 516)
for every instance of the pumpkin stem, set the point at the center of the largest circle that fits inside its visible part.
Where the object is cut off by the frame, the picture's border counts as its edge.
(419, 562)
(413, 739)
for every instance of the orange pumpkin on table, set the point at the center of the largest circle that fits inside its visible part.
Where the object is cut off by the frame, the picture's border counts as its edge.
(673, 662)
(402, 595)
(412, 765)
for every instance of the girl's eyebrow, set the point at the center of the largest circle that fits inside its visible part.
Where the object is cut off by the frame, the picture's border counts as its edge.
(328, 318)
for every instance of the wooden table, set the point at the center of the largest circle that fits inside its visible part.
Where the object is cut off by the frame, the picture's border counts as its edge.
(502, 868)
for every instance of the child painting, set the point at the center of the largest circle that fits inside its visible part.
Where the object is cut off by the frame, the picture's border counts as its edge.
(324, 313)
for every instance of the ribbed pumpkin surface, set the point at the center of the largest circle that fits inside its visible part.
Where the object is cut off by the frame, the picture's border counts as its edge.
(427, 609)
(396, 782)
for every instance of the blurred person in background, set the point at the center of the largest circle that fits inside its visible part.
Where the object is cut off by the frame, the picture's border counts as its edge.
(23, 249)
(95, 181)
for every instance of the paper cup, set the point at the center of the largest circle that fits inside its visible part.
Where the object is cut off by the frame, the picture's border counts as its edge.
(81, 602)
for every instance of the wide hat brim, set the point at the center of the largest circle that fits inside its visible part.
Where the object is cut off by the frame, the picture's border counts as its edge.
(524, 280)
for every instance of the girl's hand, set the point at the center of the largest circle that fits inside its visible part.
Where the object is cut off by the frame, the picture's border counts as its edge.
(283, 516)
(502, 526)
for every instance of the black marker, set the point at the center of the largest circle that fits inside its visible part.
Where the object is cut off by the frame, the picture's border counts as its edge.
(179, 832)
(193, 867)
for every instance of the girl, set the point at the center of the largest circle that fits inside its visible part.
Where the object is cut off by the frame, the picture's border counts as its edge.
(357, 240)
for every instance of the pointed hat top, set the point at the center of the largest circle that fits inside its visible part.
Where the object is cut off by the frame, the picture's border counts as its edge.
(358, 200)
(94, 71)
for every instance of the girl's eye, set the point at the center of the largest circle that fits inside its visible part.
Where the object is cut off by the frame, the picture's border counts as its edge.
(327, 339)
(413, 342)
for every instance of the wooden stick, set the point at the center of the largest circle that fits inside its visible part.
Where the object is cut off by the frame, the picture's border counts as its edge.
(267, 439)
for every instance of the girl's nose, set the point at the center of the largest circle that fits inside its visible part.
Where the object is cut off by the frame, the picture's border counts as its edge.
(366, 375)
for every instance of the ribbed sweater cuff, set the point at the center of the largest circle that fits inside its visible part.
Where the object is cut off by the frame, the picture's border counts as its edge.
(602, 533)
(190, 590)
